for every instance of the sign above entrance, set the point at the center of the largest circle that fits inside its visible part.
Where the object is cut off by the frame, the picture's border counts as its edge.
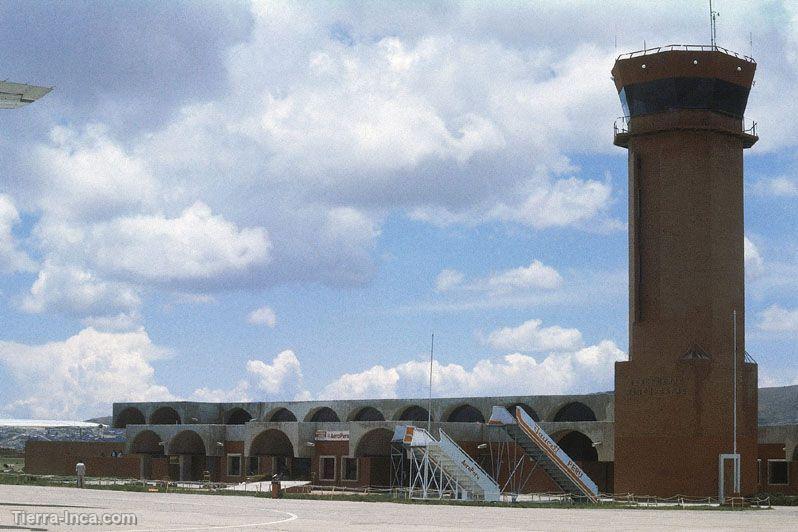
(332, 435)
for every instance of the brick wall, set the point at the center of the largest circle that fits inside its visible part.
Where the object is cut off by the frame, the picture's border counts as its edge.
(59, 458)
(775, 451)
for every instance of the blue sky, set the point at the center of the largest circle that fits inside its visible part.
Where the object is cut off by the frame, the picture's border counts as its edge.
(235, 201)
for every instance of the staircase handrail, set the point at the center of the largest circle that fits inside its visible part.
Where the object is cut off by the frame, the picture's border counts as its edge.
(453, 449)
(550, 448)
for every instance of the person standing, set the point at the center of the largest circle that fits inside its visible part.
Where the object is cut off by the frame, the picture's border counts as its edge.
(80, 471)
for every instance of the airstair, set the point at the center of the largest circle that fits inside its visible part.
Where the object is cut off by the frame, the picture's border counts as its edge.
(543, 450)
(440, 468)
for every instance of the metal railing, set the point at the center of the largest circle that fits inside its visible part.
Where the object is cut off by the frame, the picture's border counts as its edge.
(749, 126)
(621, 126)
(685, 48)
(455, 452)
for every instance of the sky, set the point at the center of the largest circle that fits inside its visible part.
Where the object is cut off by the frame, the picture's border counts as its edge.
(225, 201)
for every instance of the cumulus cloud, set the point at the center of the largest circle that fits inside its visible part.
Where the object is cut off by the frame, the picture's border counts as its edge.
(82, 375)
(781, 186)
(581, 370)
(530, 336)
(194, 245)
(262, 316)
(238, 393)
(288, 178)
(754, 263)
(551, 203)
(536, 276)
(12, 258)
(84, 175)
(779, 320)
(78, 292)
(280, 379)
(448, 279)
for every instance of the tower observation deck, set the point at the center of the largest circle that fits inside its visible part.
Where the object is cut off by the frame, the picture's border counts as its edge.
(685, 132)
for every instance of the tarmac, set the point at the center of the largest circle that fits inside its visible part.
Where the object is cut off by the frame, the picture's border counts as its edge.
(182, 512)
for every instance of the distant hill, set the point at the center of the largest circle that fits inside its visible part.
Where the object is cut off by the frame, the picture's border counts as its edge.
(778, 406)
(105, 420)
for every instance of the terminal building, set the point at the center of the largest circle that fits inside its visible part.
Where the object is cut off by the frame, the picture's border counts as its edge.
(686, 411)
(348, 443)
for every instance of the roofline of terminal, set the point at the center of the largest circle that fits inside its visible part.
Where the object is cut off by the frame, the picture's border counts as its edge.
(684, 48)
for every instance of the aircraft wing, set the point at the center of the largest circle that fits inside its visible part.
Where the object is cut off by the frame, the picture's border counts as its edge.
(13, 95)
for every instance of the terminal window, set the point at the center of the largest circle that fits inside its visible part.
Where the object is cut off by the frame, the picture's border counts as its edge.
(234, 465)
(252, 465)
(349, 468)
(327, 468)
(778, 472)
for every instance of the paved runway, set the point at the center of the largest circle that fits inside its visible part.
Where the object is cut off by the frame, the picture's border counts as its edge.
(178, 512)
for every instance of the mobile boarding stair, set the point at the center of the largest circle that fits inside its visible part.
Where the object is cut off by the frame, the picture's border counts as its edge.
(544, 451)
(440, 468)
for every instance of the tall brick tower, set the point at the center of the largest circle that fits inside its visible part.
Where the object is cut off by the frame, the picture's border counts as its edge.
(685, 135)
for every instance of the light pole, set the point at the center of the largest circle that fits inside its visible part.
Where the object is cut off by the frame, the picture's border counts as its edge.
(429, 402)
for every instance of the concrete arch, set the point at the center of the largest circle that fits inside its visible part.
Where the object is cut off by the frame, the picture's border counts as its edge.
(366, 413)
(574, 411)
(412, 413)
(187, 442)
(464, 413)
(271, 442)
(194, 462)
(280, 415)
(147, 442)
(579, 446)
(165, 415)
(237, 416)
(322, 414)
(129, 416)
(376, 442)
(526, 408)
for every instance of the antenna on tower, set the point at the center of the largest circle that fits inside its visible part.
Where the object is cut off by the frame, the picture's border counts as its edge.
(713, 26)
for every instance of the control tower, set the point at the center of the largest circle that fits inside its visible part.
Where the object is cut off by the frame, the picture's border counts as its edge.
(675, 397)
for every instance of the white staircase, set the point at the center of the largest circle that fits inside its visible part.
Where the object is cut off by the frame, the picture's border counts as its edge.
(541, 448)
(440, 468)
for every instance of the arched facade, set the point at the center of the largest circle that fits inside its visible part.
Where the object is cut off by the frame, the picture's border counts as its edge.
(193, 462)
(465, 414)
(147, 442)
(373, 452)
(367, 413)
(376, 442)
(271, 442)
(129, 416)
(166, 415)
(274, 453)
(575, 411)
(187, 442)
(526, 408)
(323, 414)
(281, 415)
(578, 446)
(413, 413)
(237, 416)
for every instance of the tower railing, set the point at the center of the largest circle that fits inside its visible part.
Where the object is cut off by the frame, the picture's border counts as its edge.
(749, 126)
(685, 48)
(621, 126)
